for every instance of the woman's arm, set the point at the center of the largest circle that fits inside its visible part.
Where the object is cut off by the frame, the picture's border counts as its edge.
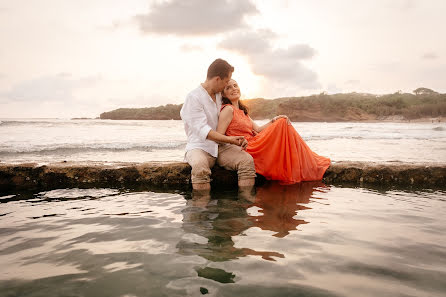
(225, 118)
(258, 128)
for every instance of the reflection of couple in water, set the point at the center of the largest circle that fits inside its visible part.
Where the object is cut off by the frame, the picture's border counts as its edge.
(220, 130)
(272, 208)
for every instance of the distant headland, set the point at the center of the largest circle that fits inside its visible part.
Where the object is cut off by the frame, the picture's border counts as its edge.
(424, 103)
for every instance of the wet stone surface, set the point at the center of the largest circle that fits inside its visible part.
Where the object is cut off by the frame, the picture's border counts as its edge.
(177, 174)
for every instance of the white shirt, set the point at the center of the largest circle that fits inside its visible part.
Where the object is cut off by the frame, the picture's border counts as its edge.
(200, 115)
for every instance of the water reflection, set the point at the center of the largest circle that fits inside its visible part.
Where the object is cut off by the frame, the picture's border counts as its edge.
(268, 243)
(279, 205)
(211, 221)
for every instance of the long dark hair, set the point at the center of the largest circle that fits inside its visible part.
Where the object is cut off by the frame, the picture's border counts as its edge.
(242, 106)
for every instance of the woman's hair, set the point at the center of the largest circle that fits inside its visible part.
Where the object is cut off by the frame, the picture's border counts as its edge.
(242, 106)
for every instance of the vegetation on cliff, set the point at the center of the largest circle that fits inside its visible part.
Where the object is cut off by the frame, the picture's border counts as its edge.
(323, 107)
(166, 112)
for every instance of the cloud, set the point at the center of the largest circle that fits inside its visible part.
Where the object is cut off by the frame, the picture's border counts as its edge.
(249, 42)
(282, 65)
(298, 51)
(333, 89)
(195, 17)
(430, 56)
(139, 100)
(191, 48)
(407, 5)
(115, 24)
(353, 82)
(58, 87)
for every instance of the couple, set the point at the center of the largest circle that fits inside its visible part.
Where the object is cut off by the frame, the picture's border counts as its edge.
(219, 130)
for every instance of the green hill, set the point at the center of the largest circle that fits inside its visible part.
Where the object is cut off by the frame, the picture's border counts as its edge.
(322, 107)
(166, 112)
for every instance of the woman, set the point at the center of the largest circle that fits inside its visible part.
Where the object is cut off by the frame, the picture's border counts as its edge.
(278, 150)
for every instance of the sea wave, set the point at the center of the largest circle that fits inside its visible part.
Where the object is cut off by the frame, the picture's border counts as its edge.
(73, 149)
(93, 122)
(29, 123)
(370, 137)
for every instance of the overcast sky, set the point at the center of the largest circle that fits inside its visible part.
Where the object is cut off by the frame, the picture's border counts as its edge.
(65, 58)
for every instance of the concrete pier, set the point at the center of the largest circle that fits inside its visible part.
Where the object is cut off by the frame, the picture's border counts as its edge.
(32, 176)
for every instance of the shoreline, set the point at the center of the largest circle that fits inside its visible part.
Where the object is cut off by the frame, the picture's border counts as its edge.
(419, 120)
(390, 119)
(31, 176)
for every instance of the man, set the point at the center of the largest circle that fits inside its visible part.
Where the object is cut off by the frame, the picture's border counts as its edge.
(200, 116)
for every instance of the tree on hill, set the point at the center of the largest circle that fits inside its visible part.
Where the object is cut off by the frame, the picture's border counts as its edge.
(322, 107)
(166, 112)
(424, 91)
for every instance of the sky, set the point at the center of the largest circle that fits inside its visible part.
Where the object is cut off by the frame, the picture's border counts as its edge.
(65, 58)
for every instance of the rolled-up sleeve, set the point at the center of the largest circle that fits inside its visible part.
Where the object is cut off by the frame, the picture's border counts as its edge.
(193, 115)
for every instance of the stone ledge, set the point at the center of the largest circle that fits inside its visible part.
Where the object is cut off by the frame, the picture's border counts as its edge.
(177, 174)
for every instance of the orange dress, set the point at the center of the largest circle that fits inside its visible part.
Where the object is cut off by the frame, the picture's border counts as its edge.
(279, 152)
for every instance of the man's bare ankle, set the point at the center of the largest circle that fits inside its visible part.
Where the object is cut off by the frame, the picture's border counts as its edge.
(200, 198)
(247, 193)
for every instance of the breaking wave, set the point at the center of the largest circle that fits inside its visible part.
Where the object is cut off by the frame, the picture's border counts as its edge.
(72, 149)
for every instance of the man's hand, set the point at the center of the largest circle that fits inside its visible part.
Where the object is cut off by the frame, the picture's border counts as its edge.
(239, 140)
(221, 138)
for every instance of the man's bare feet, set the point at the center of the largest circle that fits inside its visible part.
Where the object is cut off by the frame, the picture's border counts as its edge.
(246, 189)
(201, 194)
(247, 193)
(200, 199)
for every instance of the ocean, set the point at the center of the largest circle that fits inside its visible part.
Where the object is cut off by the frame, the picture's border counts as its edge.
(52, 140)
(305, 239)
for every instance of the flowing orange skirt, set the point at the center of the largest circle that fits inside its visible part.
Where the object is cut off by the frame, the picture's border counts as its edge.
(281, 154)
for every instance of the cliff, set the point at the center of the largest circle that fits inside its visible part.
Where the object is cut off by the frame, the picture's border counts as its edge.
(317, 108)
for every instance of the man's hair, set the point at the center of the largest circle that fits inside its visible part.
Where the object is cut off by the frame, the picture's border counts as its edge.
(219, 68)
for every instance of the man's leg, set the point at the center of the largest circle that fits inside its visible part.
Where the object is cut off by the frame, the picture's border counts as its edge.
(247, 182)
(201, 163)
(232, 157)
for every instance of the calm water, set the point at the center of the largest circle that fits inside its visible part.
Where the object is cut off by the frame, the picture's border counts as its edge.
(302, 240)
(43, 141)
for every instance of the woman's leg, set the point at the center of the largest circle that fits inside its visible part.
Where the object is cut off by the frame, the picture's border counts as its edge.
(232, 157)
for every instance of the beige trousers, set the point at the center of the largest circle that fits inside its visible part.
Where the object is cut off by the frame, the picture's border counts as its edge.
(230, 157)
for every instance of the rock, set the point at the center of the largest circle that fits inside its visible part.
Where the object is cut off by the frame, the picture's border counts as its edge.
(204, 291)
(176, 174)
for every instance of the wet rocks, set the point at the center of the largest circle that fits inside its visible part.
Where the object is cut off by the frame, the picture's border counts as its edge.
(387, 174)
(177, 174)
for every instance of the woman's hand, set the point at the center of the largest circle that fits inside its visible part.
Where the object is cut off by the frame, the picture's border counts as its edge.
(239, 140)
(281, 117)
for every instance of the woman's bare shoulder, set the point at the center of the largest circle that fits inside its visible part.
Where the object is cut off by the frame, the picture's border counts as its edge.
(227, 109)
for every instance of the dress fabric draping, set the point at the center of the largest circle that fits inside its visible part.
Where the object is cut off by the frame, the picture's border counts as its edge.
(278, 151)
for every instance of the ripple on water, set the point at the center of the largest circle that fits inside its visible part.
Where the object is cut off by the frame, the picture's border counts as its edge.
(299, 240)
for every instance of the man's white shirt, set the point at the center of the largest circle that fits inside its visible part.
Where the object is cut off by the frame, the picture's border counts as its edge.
(200, 115)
